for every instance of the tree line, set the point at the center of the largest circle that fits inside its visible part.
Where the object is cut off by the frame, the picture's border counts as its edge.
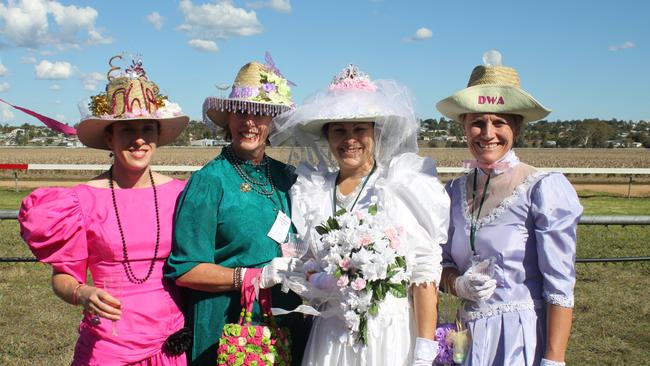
(589, 133)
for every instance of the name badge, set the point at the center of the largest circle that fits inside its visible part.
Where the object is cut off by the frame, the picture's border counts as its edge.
(280, 228)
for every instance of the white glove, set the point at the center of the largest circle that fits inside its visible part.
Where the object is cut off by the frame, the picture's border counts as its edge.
(546, 362)
(474, 287)
(279, 269)
(425, 352)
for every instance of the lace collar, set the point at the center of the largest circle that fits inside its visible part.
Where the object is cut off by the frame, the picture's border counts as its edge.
(502, 206)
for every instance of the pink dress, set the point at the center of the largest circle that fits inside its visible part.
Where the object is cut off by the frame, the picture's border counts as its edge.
(75, 230)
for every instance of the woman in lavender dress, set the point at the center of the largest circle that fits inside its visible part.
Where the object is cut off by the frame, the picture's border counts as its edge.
(512, 232)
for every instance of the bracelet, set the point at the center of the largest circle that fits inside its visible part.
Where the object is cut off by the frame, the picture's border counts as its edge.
(236, 278)
(75, 294)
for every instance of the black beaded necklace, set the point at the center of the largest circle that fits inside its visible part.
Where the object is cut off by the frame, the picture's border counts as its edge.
(249, 182)
(127, 265)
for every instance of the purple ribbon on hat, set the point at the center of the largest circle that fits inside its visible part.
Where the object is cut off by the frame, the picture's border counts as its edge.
(271, 65)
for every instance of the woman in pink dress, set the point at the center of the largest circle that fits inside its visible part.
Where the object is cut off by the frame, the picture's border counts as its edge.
(118, 226)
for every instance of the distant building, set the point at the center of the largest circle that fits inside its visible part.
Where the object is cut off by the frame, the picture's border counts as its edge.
(205, 142)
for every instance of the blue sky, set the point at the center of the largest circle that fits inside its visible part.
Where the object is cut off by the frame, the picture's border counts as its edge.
(581, 59)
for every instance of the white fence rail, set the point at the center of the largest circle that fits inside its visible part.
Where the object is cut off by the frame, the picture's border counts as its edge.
(191, 168)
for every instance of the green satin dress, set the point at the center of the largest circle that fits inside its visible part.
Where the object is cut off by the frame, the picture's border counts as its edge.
(218, 222)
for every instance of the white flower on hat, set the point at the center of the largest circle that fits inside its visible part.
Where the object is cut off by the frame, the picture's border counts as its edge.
(168, 110)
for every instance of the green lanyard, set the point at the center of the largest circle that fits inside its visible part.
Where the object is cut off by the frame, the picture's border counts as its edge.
(472, 233)
(374, 167)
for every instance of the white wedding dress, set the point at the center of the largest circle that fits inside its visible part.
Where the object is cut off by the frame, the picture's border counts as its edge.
(409, 192)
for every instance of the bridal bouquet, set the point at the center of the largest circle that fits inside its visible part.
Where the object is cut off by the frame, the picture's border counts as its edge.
(364, 253)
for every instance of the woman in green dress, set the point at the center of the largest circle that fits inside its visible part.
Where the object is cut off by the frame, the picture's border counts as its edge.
(225, 214)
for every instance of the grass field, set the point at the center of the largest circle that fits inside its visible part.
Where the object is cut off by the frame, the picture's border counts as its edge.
(611, 316)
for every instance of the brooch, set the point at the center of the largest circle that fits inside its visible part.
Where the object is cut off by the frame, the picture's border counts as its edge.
(245, 187)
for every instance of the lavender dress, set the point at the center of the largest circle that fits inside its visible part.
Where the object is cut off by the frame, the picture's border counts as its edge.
(530, 231)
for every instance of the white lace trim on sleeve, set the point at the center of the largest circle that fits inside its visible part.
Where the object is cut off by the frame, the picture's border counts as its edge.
(559, 300)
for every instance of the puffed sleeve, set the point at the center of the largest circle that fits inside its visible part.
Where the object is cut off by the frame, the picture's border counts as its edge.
(556, 211)
(306, 210)
(52, 225)
(418, 201)
(195, 225)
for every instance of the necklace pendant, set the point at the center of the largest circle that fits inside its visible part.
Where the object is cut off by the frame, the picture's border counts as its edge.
(245, 187)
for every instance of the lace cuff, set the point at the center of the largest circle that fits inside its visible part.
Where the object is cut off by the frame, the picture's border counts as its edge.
(546, 362)
(559, 300)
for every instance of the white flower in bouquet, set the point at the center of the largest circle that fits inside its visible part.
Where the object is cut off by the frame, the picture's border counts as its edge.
(353, 320)
(363, 251)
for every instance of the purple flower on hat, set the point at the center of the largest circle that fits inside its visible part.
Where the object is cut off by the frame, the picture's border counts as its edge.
(269, 88)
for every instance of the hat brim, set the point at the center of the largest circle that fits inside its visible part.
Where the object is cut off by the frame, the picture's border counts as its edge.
(216, 109)
(492, 99)
(316, 126)
(91, 131)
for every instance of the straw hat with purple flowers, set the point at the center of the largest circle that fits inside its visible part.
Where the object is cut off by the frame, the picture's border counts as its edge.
(258, 89)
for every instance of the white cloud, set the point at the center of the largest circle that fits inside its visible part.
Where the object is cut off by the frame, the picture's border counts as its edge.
(6, 115)
(53, 71)
(283, 6)
(218, 20)
(203, 45)
(421, 34)
(55, 87)
(620, 47)
(28, 60)
(90, 80)
(4, 87)
(155, 19)
(3, 69)
(95, 37)
(36, 23)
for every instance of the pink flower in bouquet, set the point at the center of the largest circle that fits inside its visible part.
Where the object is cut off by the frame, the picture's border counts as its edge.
(393, 235)
(358, 284)
(359, 214)
(345, 263)
(365, 240)
(343, 281)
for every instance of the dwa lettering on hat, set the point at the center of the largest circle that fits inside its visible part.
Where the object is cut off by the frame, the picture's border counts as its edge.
(483, 99)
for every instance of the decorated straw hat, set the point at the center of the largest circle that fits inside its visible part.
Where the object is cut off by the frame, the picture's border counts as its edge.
(493, 88)
(129, 96)
(257, 89)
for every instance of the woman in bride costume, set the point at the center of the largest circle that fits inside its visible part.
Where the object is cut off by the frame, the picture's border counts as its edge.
(370, 129)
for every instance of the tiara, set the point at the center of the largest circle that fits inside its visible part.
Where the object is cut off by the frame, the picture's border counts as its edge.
(352, 78)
